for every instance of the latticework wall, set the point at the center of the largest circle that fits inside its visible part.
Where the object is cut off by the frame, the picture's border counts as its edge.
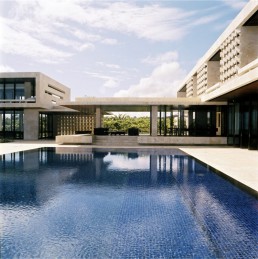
(230, 56)
(189, 88)
(68, 124)
(202, 79)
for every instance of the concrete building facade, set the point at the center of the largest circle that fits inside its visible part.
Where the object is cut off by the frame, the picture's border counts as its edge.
(229, 72)
(218, 100)
(23, 96)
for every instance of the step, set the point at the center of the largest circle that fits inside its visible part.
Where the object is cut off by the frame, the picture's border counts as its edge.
(115, 140)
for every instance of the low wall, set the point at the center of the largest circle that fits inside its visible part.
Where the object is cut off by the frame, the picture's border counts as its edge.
(81, 139)
(84, 139)
(176, 140)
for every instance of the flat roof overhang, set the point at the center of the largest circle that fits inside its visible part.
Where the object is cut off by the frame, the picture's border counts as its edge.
(88, 105)
(246, 84)
(250, 89)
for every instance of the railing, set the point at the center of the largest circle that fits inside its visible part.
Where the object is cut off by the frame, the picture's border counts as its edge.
(248, 67)
(213, 88)
(28, 100)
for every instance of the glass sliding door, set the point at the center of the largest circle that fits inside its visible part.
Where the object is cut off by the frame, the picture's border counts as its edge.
(11, 124)
(18, 124)
(46, 126)
(243, 122)
(253, 131)
(1, 124)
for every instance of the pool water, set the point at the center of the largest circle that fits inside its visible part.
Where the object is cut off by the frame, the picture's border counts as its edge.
(157, 203)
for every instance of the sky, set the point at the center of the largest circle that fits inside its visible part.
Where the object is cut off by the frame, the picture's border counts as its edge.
(104, 48)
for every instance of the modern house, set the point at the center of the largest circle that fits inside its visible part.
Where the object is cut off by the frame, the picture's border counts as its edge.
(217, 102)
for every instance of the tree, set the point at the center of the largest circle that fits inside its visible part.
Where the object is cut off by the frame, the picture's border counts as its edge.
(124, 122)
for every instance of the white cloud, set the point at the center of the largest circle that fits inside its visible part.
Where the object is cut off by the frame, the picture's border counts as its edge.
(163, 81)
(4, 68)
(109, 81)
(159, 59)
(110, 41)
(86, 46)
(38, 37)
(53, 31)
(205, 19)
(14, 41)
(150, 21)
(235, 4)
(107, 65)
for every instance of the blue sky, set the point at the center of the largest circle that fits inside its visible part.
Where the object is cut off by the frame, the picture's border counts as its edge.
(111, 48)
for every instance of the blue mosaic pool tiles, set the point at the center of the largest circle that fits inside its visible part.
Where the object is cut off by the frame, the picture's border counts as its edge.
(120, 208)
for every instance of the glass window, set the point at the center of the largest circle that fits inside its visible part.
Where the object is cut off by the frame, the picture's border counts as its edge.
(1, 91)
(19, 93)
(9, 121)
(208, 119)
(9, 91)
(237, 119)
(18, 121)
(1, 121)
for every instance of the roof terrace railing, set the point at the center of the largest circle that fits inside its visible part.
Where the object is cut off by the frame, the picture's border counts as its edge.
(21, 100)
(248, 67)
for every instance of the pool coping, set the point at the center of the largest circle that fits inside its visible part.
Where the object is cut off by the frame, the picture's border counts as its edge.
(230, 179)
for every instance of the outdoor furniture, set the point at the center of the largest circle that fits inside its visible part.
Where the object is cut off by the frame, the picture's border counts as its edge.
(117, 133)
(83, 132)
(101, 131)
(133, 131)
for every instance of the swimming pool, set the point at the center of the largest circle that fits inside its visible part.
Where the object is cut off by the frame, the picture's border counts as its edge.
(83, 203)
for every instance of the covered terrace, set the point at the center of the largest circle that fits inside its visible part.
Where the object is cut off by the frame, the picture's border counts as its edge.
(169, 117)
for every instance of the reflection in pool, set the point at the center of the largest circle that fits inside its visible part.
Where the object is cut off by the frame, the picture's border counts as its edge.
(137, 204)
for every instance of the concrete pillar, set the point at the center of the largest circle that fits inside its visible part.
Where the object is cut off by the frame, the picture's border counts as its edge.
(27, 89)
(181, 121)
(98, 122)
(31, 124)
(154, 120)
(1, 121)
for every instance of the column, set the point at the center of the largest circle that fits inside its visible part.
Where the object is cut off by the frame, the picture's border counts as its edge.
(154, 120)
(31, 124)
(1, 120)
(98, 122)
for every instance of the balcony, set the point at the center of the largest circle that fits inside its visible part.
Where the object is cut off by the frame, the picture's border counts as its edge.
(32, 99)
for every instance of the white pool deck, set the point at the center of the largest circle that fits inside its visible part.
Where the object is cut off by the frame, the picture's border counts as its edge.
(238, 164)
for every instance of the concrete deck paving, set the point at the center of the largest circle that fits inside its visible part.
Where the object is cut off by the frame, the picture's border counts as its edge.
(241, 165)
(238, 164)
